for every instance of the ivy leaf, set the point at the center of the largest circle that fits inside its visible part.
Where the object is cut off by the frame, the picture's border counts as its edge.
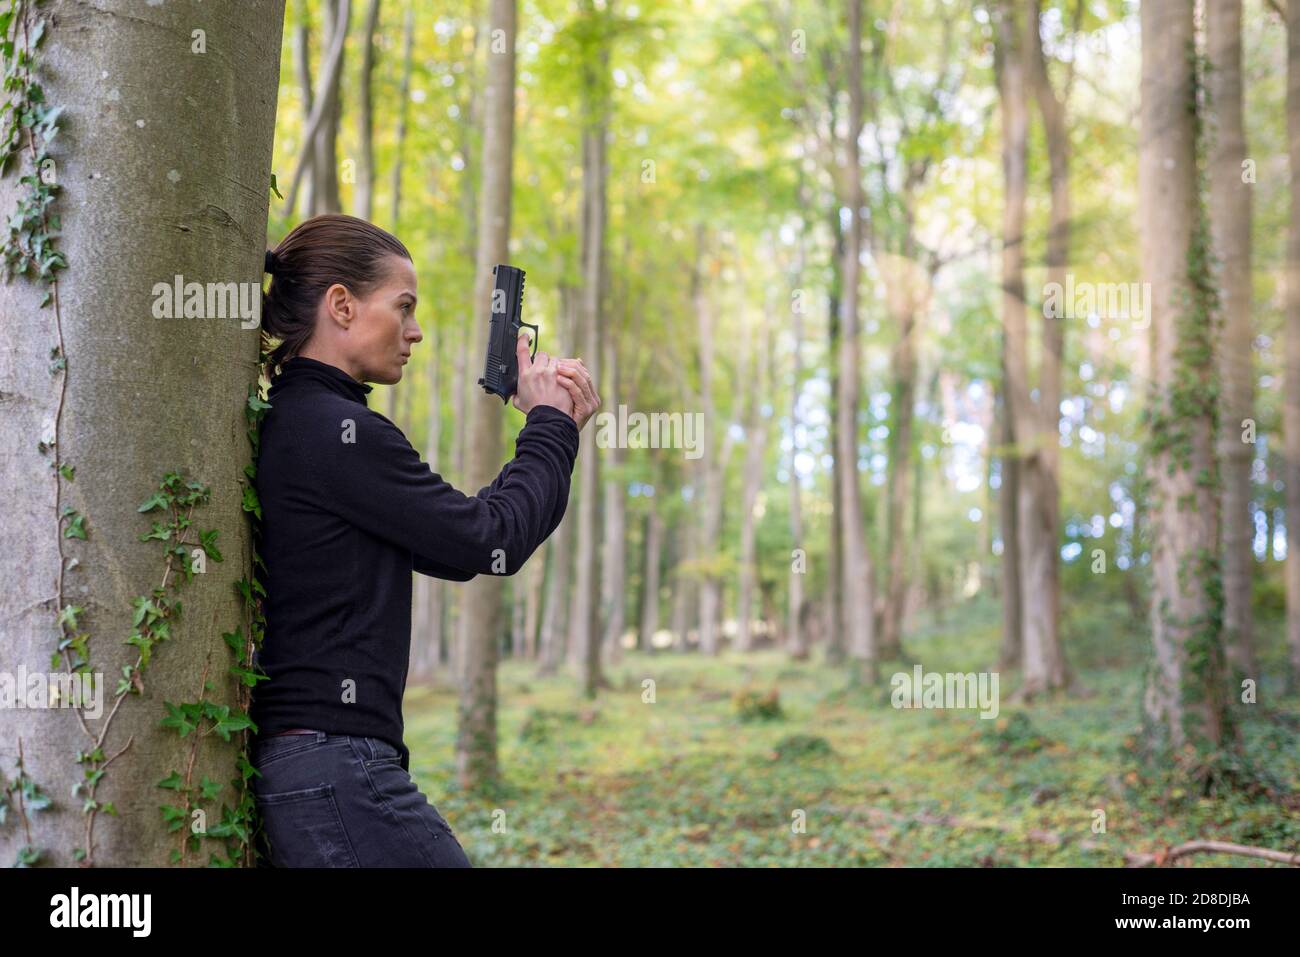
(274, 188)
(156, 500)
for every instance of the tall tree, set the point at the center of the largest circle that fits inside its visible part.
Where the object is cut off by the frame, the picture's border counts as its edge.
(1014, 111)
(1291, 403)
(1230, 216)
(365, 115)
(480, 619)
(1038, 420)
(78, 436)
(1185, 700)
(856, 570)
(584, 614)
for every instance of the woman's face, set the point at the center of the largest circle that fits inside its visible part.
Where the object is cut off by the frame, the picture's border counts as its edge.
(378, 341)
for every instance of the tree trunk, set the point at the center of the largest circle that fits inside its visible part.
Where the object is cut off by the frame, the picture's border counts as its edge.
(1230, 215)
(1009, 651)
(1291, 403)
(613, 578)
(325, 163)
(404, 94)
(365, 117)
(200, 213)
(533, 602)
(835, 650)
(654, 536)
(901, 296)
(480, 625)
(302, 67)
(755, 445)
(1045, 666)
(1184, 701)
(859, 598)
(796, 636)
(1015, 372)
(584, 615)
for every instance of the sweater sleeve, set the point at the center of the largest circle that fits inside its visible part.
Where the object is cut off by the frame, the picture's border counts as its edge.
(380, 484)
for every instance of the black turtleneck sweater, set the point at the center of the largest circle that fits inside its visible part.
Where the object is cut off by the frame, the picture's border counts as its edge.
(348, 511)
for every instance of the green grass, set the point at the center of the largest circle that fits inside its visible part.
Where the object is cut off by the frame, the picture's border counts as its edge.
(684, 781)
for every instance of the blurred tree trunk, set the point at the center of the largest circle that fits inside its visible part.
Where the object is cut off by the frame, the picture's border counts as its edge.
(1185, 701)
(480, 625)
(835, 648)
(302, 66)
(533, 601)
(1014, 110)
(403, 116)
(710, 467)
(755, 446)
(325, 163)
(901, 297)
(613, 578)
(1044, 662)
(555, 615)
(856, 571)
(796, 637)
(654, 537)
(584, 615)
(684, 597)
(365, 189)
(1291, 403)
(1230, 215)
(1009, 656)
(96, 415)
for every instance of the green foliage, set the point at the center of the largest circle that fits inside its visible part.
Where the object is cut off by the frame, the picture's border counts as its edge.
(754, 705)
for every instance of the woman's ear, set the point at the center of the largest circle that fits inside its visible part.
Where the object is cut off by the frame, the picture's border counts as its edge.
(339, 305)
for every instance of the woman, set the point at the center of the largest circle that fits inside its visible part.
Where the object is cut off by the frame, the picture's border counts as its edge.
(348, 510)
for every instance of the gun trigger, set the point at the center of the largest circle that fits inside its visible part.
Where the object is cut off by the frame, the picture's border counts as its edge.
(536, 334)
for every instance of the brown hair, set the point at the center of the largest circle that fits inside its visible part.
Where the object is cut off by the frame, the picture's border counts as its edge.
(319, 252)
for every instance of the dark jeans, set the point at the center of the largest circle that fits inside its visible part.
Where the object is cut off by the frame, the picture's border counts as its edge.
(337, 800)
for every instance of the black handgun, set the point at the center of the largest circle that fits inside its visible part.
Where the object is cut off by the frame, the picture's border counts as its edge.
(501, 375)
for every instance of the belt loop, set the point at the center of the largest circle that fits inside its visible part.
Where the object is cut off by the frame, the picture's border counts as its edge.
(321, 736)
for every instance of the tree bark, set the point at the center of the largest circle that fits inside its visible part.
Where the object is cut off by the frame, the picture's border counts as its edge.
(1045, 667)
(1291, 403)
(654, 536)
(1184, 699)
(584, 615)
(1016, 402)
(796, 636)
(200, 213)
(403, 114)
(480, 624)
(365, 116)
(859, 597)
(1230, 216)
(755, 445)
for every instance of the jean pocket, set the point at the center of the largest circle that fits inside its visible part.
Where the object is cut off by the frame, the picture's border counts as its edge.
(271, 749)
(304, 828)
(373, 751)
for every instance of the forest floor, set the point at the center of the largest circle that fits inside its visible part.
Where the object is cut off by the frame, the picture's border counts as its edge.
(684, 781)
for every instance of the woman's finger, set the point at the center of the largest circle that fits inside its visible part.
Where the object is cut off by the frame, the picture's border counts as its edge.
(588, 388)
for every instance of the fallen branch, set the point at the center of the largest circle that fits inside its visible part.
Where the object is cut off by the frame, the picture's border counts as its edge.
(1171, 854)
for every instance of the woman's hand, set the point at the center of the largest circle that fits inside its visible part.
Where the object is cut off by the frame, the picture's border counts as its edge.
(539, 381)
(575, 377)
